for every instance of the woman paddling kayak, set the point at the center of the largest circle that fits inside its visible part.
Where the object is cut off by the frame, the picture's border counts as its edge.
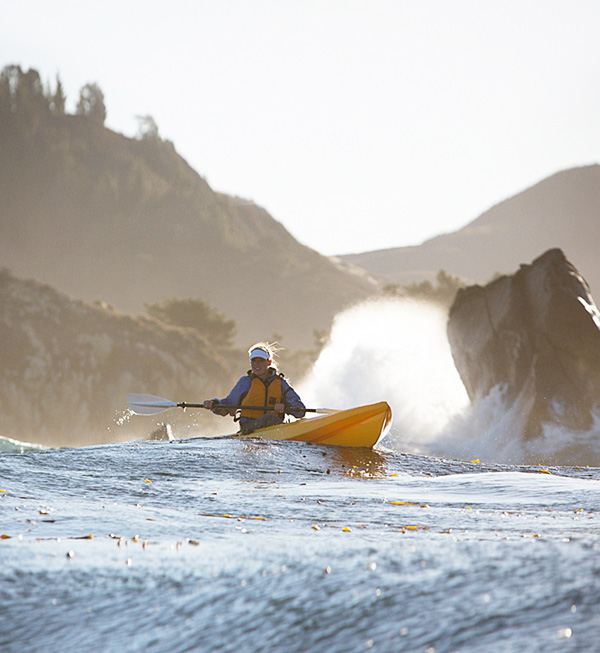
(263, 385)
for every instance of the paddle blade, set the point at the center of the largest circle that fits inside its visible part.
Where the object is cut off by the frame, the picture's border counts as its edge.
(148, 404)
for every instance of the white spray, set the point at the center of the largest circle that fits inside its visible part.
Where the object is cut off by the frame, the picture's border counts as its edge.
(394, 350)
(397, 350)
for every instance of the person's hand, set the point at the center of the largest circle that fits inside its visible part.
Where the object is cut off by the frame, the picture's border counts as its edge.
(209, 404)
(279, 408)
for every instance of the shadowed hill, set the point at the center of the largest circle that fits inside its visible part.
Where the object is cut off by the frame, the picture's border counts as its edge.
(128, 221)
(561, 211)
(66, 366)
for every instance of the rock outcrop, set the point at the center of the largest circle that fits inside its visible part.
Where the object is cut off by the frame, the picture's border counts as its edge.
(535, 338)
(66, 366)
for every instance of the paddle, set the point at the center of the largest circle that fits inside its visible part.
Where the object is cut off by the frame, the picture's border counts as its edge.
(151, 405)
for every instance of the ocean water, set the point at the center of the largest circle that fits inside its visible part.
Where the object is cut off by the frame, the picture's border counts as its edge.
(227, 545)
(441, 539)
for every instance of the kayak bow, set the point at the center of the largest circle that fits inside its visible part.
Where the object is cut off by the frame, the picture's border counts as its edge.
(363, 426)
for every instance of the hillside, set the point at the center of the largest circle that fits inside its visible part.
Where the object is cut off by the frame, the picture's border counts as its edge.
(66, 367)
(561, 211)
(128, 221)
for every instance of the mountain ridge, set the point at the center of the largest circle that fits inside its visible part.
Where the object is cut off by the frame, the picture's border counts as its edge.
(562, 210)
(98, 215)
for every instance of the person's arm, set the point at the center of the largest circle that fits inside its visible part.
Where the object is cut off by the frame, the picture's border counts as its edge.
(234, 398)
(293, 403)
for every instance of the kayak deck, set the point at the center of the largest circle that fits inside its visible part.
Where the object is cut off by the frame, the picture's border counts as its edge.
(363, 426)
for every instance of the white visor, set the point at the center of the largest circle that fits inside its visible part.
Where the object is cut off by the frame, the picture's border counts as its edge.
(259, 353)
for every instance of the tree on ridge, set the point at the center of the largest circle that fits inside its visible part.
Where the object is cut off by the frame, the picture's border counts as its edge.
(91, 103)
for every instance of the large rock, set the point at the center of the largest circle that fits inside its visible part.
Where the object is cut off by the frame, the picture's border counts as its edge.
(535, 338)
(66, 367)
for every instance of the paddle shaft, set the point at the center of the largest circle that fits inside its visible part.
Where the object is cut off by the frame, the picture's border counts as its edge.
(150, 405)
(185, 405)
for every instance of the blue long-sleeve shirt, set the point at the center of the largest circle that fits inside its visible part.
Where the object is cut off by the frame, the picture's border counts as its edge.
(293, 403)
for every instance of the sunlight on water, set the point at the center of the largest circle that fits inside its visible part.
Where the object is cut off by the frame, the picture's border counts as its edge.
(394, 350)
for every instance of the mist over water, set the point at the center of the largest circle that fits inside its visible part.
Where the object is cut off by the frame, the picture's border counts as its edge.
(394, 350)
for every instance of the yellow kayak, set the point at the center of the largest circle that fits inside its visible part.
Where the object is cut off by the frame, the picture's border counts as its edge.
(356, 427)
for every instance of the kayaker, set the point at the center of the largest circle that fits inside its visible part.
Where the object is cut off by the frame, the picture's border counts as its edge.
(263, 385)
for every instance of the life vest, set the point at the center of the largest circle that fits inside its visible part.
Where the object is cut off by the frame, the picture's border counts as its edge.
(262, 394)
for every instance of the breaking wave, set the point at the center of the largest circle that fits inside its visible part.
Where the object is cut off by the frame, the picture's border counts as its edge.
(8, 445)
(397, 350)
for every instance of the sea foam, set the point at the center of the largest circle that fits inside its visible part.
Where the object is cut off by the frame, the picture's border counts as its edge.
(397, 350)
(394, 350)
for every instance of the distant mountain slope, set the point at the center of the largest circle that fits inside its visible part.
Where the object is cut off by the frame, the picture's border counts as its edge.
(128, 221)
(561, 211)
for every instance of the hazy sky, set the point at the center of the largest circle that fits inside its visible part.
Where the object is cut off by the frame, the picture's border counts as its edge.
(358, 124)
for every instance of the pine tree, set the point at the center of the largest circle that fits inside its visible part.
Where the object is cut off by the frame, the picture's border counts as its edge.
(58, 99)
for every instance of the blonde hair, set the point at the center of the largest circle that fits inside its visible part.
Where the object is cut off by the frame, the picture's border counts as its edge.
(270, 348)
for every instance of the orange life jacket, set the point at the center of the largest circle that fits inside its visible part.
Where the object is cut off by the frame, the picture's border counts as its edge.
(262, 394)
